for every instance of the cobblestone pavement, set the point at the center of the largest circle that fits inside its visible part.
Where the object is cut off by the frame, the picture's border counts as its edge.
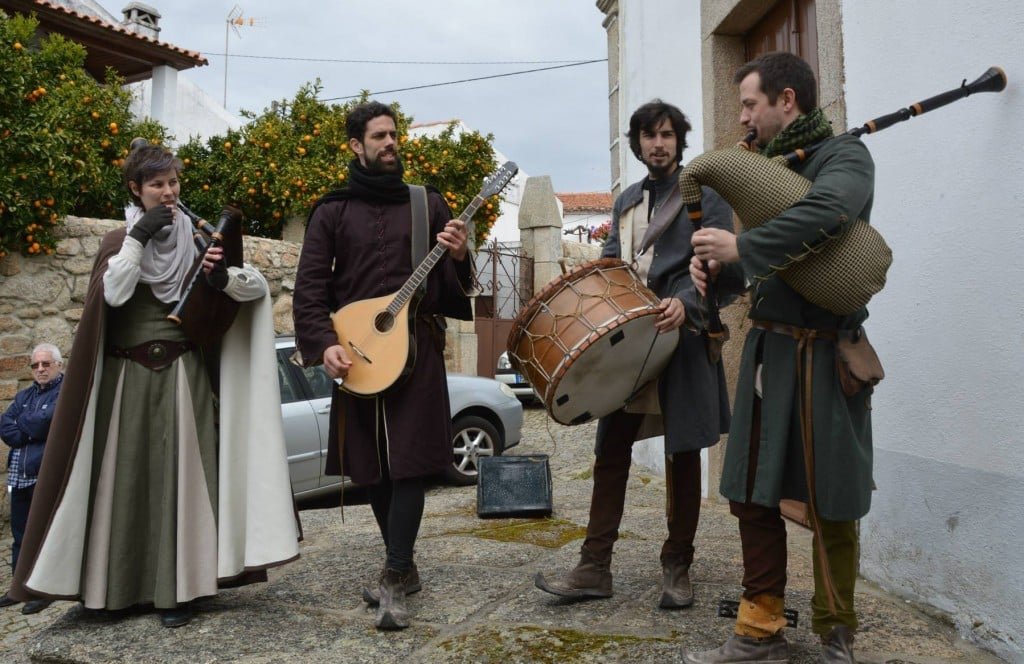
(478, 602)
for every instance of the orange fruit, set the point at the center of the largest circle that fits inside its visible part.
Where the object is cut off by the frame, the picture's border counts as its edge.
(17, 46)
(95, 115)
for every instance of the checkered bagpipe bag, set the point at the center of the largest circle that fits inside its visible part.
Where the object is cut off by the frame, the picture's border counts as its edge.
(840, 273)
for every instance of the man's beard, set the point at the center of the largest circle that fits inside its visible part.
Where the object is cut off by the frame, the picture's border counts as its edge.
(658, 172)
(377, 166)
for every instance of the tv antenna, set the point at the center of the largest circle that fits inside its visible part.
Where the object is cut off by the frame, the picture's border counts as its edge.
(234, 20)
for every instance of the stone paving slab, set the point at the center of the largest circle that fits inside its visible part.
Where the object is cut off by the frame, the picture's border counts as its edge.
(479, 603)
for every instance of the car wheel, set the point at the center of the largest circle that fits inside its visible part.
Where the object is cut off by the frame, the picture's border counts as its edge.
(472, 437)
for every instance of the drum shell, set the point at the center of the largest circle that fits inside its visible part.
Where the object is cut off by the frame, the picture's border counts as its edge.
(588, 311)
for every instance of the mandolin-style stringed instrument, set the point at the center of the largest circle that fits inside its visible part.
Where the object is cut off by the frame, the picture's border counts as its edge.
(378, 333)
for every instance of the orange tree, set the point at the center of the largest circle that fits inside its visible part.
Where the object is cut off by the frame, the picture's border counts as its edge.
(63, 137)
(283, 160)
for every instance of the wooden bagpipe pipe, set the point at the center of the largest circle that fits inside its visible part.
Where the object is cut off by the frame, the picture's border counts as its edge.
(841, 273)
(204, 312)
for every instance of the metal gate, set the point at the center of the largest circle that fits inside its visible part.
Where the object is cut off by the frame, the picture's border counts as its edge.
(505, 280)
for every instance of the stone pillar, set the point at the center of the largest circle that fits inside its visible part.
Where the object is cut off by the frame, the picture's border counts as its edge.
(540, 230)
(165, 95)
(461, 348)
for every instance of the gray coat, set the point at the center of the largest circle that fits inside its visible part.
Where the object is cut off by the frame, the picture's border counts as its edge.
(691, 390)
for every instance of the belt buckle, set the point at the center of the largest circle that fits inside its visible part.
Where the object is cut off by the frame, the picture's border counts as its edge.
(156, 352)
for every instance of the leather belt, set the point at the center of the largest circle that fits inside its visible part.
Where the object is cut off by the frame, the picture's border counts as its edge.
(154, 355)
(798, 333)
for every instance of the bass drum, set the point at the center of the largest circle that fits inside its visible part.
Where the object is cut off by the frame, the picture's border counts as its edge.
(587, 342)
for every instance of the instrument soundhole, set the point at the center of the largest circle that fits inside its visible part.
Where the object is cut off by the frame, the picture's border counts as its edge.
(384, 322)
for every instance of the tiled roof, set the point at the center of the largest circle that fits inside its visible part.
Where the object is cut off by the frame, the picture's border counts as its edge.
(594, 201)
(89, 18)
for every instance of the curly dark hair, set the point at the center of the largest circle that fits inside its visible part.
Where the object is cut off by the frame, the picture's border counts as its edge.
(648, 117)
(361, 114)
(146, 161)
(780, 70)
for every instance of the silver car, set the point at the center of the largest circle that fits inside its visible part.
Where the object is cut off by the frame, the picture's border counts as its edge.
(504, 373)
(487, 419)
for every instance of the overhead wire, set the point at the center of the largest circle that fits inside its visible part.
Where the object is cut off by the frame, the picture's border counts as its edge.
(465, 80)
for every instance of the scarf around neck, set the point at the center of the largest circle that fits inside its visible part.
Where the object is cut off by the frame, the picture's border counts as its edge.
(805, 130)
(167, 257)
(375, 186)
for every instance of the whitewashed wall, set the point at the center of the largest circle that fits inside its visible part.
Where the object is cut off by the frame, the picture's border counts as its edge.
(659, 57)
(947, 522)
(195, 113)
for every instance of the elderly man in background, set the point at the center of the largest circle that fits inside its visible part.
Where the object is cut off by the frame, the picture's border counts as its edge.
(24, 427)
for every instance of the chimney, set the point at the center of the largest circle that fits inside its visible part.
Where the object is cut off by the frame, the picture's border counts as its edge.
(142, 19)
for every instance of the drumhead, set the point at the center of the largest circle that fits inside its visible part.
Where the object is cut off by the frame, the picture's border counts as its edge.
(609, 369)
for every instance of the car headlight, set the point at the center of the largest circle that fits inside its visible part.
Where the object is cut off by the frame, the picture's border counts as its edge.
(506, 390)
(503, 362)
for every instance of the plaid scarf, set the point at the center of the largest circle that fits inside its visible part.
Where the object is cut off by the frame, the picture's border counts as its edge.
(805, 130)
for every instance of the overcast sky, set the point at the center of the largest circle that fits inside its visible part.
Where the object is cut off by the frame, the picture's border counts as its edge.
(551, 122)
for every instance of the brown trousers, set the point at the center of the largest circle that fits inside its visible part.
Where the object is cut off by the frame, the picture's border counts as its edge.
(611, 472)
(763, 538)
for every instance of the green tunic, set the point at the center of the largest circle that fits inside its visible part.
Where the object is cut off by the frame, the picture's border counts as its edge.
(843, 185)
(143, 550)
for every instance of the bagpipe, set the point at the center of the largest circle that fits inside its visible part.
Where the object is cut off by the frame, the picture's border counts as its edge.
(841, 273)
(203, 312)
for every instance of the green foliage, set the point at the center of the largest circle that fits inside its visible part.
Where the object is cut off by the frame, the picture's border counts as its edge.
(63, 137)
(279, 164)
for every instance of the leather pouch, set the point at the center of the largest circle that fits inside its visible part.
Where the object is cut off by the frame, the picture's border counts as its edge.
(857, 362)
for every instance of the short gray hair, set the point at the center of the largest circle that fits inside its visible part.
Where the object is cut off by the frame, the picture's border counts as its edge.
(51, 349)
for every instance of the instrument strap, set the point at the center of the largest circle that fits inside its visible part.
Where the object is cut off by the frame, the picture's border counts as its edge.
(420, 226)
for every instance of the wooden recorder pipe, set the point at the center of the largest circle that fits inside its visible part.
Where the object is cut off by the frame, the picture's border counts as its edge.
(715, 328)
(203, 230)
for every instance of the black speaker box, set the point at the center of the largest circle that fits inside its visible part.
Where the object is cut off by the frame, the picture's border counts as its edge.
(510, 486)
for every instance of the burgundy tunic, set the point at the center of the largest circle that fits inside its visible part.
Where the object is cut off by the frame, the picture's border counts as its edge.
(356, 250)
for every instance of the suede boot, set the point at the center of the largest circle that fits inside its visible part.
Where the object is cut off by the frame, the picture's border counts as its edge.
(676, 591)
(371, 595)
(591, 578)
(744, 650)
(837, 647)
(391, 611)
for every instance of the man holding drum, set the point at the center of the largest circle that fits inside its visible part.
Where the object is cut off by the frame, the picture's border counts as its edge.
(650, 228)
(799, 431)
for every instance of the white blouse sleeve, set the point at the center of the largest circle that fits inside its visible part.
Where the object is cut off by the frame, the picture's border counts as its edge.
(245, 284)
(122, 273)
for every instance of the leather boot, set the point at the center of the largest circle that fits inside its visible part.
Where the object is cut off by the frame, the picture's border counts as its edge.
(676, 591)
(412, 585)
(591, 578)
(391, 611)
(746, 650)
(837, 647)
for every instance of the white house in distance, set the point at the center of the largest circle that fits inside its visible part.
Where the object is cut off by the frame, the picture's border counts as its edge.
(584, 212)
(946, 520)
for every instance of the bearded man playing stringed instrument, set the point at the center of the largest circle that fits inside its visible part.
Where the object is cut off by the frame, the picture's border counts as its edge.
(359, 246)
